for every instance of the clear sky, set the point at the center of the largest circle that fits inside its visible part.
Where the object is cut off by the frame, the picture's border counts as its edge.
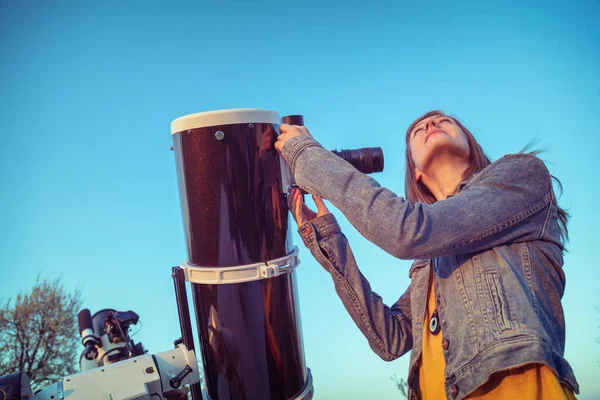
(88, 90)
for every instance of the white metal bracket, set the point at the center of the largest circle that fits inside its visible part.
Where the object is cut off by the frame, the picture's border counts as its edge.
(241, 273)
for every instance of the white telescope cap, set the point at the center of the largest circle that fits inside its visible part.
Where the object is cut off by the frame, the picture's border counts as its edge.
(224, 117)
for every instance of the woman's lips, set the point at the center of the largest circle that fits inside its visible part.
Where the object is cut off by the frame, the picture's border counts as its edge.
(431, 134)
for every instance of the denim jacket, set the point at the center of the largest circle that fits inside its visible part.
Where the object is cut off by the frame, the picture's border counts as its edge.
(496, 255)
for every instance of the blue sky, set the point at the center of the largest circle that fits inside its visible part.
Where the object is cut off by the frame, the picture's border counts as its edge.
(89, 89)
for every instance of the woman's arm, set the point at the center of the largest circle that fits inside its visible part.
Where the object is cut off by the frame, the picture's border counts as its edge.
(388, 330)
(509, 201)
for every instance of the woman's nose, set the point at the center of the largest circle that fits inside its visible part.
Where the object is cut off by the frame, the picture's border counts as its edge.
(430, 124)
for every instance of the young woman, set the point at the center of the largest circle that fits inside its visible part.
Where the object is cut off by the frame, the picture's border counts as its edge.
(482, 314)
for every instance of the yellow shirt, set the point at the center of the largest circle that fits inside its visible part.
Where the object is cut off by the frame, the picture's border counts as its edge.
(531, 381)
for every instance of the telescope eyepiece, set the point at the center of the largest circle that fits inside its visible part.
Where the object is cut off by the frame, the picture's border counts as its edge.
(367, 159)
(293, 120)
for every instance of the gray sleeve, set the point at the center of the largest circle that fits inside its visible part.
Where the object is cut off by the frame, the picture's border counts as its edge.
(388, 330)
(508, 202)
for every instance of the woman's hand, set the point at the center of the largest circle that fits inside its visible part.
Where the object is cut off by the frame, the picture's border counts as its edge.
(289, 131)
(300, 211)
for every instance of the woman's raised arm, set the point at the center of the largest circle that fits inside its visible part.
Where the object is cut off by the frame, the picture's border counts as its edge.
(388, 330)
(509, 201)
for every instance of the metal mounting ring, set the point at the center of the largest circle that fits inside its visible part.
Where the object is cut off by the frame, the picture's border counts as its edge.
(212, 275)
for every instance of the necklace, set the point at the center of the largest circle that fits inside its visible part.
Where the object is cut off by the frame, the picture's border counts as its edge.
(434, 323)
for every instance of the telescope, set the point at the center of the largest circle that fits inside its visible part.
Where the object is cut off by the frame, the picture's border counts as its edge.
(240, 268)
(105, 336)
(241, 262)
(114, 367)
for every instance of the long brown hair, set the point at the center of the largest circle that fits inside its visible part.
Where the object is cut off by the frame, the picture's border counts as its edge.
(417, 191)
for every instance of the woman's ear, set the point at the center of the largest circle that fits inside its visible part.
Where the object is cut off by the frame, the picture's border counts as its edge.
(418, 174)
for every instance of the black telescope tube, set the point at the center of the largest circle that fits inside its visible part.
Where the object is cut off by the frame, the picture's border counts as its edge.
(235, 213)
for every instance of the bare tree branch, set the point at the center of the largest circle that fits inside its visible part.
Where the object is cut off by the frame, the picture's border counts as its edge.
(401, 385)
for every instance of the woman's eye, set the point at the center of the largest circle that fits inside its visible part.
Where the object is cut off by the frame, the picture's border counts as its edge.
(444, 120)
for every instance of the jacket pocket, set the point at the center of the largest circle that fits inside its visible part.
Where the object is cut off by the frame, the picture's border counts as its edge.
(499, 301)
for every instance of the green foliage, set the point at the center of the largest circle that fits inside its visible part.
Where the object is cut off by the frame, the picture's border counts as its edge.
(39, 334)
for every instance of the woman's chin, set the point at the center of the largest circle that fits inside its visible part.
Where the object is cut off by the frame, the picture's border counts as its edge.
(446, 149)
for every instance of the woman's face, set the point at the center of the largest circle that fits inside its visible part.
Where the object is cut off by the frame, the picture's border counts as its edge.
(436, 136)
